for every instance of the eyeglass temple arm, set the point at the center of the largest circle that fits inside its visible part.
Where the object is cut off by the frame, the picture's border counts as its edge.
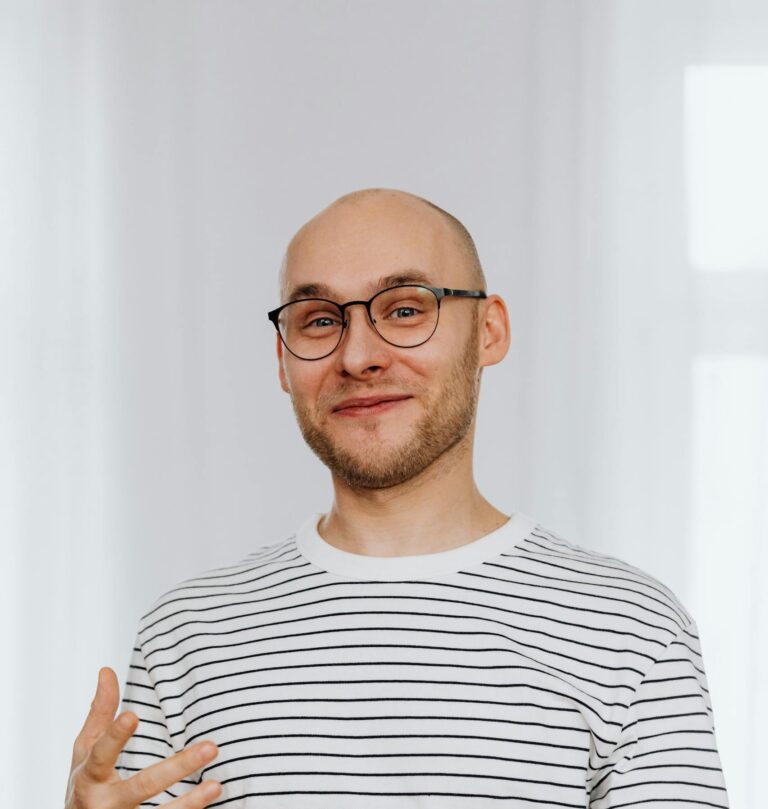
(464, 293)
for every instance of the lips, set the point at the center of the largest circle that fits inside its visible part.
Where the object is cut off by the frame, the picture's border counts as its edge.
(369, 401)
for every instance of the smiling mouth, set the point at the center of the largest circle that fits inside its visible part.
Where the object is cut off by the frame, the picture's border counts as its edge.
(372, 409)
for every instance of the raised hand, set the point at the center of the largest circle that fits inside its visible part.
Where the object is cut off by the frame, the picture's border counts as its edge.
(94, 783)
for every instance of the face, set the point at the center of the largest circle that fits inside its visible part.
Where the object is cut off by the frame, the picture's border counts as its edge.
(349, 248)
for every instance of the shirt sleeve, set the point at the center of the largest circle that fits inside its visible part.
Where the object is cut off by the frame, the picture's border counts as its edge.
(666, 756)
(151, 742)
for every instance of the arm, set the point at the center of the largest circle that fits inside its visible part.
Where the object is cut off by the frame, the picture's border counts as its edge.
(666, 754)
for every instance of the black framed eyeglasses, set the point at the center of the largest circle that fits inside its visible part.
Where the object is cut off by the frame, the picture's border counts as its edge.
(404, 316)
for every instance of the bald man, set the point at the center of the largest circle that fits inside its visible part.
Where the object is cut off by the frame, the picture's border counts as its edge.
(415, 646)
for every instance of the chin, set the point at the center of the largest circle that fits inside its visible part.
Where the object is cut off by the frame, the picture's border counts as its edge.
(380, 465)
(372, 446)
(374, 477)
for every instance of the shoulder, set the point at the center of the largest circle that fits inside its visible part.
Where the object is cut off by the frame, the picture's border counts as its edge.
(613, 580)
(209, 591)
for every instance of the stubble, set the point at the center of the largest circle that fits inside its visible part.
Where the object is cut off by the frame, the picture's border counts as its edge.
(374, 465)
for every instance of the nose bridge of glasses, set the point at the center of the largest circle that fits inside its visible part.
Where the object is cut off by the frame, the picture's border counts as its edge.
(345, 310)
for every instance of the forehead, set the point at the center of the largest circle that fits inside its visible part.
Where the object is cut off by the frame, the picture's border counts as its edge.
(353, 251)
(315, 289)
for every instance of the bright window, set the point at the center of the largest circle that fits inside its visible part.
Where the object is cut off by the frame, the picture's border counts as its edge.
(726, 146)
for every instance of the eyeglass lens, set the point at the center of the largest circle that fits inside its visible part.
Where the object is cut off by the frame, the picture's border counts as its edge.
(404, 316)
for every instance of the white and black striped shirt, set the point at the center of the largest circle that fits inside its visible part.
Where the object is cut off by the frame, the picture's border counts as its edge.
(519, 668)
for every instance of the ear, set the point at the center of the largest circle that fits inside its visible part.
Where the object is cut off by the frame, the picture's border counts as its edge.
(281, 364)
(493, 331)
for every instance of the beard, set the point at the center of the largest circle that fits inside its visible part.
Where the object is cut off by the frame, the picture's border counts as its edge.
(375, 465)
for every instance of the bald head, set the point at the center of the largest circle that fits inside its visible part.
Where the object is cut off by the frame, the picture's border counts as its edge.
(462, 241)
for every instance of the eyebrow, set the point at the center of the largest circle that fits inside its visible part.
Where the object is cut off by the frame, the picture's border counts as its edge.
(317, 290)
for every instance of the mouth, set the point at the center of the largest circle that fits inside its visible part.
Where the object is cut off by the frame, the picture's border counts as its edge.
(370, 406)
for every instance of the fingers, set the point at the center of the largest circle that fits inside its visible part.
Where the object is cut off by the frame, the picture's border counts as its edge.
(104, 704)
(103, 755)
(101, 740)
(153, 780)
(101, 714)
(200, 796)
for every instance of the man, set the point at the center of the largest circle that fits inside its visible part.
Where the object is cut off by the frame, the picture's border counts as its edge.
(415, 646)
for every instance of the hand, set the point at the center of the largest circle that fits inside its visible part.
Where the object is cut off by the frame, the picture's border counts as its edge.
(94, 783)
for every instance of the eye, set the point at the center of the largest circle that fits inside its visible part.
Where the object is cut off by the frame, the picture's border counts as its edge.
(320, 321)
(403, 312)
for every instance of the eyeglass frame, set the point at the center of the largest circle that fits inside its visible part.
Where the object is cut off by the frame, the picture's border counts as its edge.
(438, 292)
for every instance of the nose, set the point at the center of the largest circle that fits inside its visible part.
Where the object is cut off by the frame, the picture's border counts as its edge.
(362, 350)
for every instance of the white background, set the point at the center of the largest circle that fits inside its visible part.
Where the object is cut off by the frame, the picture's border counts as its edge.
(155, 158)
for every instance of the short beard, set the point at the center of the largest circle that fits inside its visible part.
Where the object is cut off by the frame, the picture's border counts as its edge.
(439, 430)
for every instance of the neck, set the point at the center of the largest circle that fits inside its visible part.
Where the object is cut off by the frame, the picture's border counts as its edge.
(439, 509)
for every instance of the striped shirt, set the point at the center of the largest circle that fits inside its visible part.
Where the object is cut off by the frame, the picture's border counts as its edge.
(519, 667)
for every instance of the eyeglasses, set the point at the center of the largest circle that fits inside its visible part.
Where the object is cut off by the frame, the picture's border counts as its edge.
(404, 316)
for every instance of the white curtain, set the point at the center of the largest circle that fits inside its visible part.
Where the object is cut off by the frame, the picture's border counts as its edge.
(156, 157)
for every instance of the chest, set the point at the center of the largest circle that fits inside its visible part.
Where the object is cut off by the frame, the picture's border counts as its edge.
(396, 710)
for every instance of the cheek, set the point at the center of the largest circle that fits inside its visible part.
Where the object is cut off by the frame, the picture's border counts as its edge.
(427, 364)
(305, 380)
